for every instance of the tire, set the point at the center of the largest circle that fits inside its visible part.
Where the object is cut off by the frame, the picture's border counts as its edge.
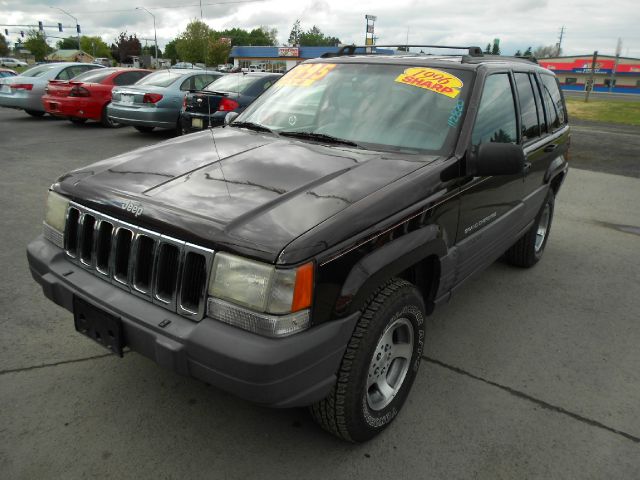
(77, 120)
(528, 251)
(106, 121)
(35, 113)
(144, 129)
(356, 410)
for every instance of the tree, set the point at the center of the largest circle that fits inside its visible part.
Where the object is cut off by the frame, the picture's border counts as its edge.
(527, 52)
(192, 43)
(495, 50)
(260, 36)
(547, 52)
(518, 53)
(151, 50)
(69, 43)
(217, 52)
(294, 36)
(488, 49)
(170, 50)
(37, 45)
(125, 47)
(95, 46)
(4, 47)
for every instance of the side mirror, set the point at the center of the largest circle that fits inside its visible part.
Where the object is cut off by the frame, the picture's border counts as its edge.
(488, 159)
(230, 117)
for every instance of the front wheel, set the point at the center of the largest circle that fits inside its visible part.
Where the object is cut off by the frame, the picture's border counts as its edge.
(529, 249)
(379, 365)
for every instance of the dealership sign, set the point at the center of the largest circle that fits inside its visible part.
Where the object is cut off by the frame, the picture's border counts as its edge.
(584, 66)
(288, 52)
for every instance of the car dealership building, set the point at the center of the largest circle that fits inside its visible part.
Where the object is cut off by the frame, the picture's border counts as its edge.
(574, 72)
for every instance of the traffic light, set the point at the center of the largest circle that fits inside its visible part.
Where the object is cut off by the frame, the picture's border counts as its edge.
(40, 27)
(78, 28)
(59, 27)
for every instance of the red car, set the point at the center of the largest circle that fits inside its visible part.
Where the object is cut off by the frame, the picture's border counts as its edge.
(86, 96)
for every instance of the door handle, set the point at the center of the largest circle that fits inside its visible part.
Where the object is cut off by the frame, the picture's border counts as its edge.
(550, 148)
(526, 168)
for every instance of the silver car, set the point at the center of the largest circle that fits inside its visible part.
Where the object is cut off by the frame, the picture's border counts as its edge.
(24, 91)
(156, 100)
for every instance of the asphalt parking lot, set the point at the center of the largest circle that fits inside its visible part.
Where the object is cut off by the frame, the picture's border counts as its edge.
(527, 373)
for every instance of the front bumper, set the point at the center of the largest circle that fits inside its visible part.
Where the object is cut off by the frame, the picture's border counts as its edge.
(286, 372)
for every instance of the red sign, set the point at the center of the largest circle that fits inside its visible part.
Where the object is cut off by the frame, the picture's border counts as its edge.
(288, 52)
(584, 66)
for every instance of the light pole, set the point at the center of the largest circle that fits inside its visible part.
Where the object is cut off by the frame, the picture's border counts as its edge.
(155, 36)
(74, 19)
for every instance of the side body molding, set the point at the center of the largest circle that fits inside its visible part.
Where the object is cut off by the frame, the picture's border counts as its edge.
(387, 261)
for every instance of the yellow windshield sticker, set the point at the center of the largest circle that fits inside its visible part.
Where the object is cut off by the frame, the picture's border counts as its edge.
(431, 79)
(307, 74)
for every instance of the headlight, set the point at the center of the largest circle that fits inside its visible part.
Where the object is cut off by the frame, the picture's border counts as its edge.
(275, 299)
(55, 218)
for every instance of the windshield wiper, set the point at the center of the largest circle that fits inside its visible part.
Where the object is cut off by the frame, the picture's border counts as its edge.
(322, 137)
(251, 126)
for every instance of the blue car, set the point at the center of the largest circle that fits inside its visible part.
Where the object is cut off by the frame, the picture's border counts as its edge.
(156, 100)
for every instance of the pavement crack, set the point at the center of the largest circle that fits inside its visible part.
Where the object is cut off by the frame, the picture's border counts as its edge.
(537, 401)
(45, 365)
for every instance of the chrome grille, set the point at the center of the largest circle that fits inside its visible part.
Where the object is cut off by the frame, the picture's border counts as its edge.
(166, 271)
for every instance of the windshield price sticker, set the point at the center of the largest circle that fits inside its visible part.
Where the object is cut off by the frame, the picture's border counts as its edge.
(307, 74)
(431, 79)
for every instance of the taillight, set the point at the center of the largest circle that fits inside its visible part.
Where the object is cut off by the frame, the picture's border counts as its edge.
(79, 92)
(227, 105)
(22, 86)
(151, 98)
(184, 102)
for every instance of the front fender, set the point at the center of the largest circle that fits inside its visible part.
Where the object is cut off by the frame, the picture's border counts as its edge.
(387, 261)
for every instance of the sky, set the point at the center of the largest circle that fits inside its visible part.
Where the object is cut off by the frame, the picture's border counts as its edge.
(589, 24)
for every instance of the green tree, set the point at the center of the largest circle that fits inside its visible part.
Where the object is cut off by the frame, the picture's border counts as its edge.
(518, 53)
(527, 52)
(217, 52)
(495, 50)
(4, 47)
(260, 36)
(69, 43)
(237, 36)
(95, 46)
(37, 45)
(488, 49)
(125, 47)
(294, 35)
(170, 50)
(151, 50)
(192, 43)
(315, 38)
(547, 52)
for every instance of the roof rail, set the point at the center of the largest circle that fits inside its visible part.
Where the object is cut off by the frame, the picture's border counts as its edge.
(351, 49)
(498, 58)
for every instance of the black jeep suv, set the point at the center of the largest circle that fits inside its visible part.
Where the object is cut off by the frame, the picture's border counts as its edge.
(291, 256)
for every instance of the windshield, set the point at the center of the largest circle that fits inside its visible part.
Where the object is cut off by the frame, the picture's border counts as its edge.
(388, 107)
(236, 83)
(94, 76)
(161, 79)
(37, 71)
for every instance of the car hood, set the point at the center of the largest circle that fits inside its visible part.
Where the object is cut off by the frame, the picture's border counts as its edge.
(236, 190)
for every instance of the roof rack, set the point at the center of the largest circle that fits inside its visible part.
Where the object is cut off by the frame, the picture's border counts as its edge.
(499, 58)
(351, 49)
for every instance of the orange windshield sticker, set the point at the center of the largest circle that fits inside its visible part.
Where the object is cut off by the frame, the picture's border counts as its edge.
(306, 74)
(431, 79)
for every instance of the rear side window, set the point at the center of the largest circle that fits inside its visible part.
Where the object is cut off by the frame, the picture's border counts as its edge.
(161, 79)
(38, 71)
(553, 101)
(95, 76)
(72, 72)
(529, 122)
(496, 119)
(128, 78)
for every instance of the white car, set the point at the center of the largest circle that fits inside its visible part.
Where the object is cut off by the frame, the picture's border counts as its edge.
(12, 62)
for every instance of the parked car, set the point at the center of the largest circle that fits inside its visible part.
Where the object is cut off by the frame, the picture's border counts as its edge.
(156, 100)
(6, 72)
(186, 65)
(103, 61)
(86, 96)
(293, 256)
(231, 93)
(12, 62)
(25, 90)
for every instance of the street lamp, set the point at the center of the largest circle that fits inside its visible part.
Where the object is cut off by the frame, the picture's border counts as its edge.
(74, 19)
(155, 36)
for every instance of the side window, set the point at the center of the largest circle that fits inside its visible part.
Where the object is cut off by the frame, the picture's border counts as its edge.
(529, 122)
(64, 74)
(539, 107)
(496, 119)
(552, 96)
(201, 81)
(187, 84)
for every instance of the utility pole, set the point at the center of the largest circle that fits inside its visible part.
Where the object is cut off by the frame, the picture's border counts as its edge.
(155, 36)
(590, 81)
(615, 65)
(559, 44)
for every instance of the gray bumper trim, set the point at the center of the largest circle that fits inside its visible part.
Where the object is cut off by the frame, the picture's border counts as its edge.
(285, 372)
